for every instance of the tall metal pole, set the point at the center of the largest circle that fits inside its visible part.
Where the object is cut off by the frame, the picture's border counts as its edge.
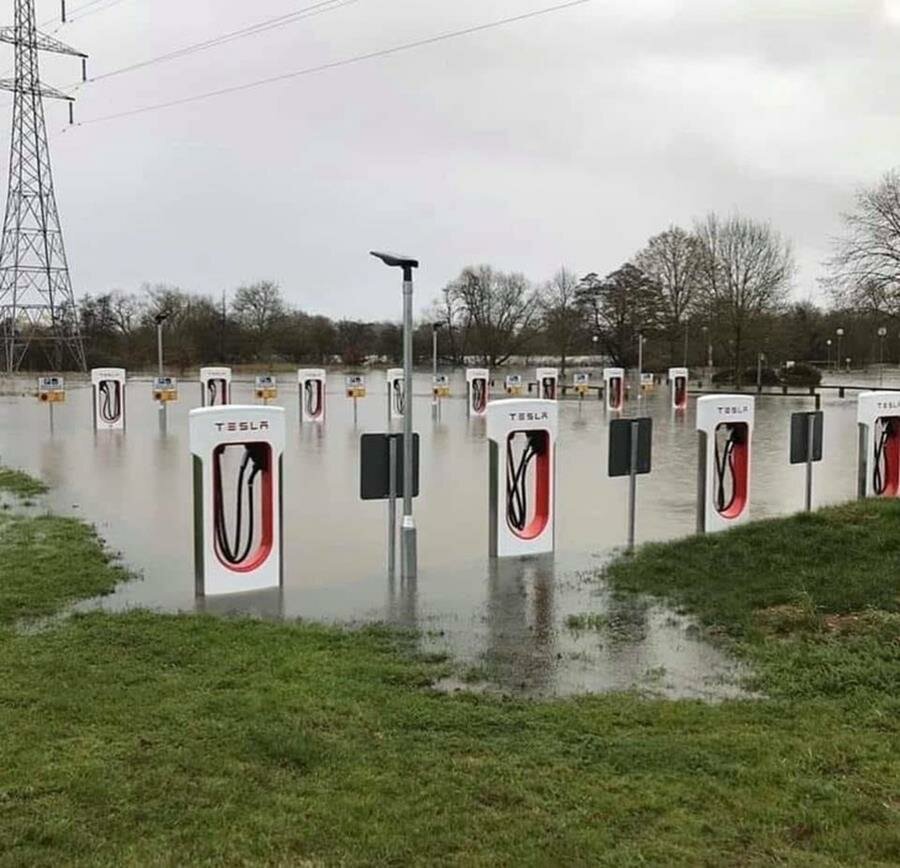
(810, 444)
(640, 373)
(632, 483)
(408, 552)
(434, 397)
(159, 359)
(837, 361)
(686, 334)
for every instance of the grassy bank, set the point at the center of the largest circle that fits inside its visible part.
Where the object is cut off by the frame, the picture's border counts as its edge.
(150, 739)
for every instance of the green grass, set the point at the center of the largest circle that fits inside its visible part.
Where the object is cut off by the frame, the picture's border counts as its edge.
(143, 739)
(20, 484)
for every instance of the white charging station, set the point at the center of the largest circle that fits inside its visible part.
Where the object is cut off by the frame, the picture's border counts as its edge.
(678, 388)
(478, 390)
(215, 386)
(266, 388)
(614, 388)
(878, 417)
(108, 392)
(311, 382)
(237, 452)
(395, 393)
(725, 428)
(547, 383)
(522, 441)
(51, 390)
(165, 389)
(514, 385)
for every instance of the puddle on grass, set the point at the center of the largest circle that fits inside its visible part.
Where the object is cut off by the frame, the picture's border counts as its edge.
(520, 625)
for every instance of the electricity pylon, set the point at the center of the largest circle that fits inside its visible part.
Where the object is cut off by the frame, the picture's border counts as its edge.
(37, 305)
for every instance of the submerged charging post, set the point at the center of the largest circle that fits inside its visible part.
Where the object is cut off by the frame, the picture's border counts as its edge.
(409, 556)
(266, 388)
(514, 385)
(478, 388)
(311, 383)
(215, 386)
(395, 395)
(806, 445)
(725, 435)
(522, 447)
(630, 447)
(878, 418)
(548, 383)
(440, 389)
(614, 389)
(237, 452)
(108, 395)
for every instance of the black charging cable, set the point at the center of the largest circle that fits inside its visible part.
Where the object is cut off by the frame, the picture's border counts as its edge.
(312, 395)
(110, 401)
(517, 478)
(236, 551)
(725, 470)
(881, 471)
(398, 397)
(479, 394)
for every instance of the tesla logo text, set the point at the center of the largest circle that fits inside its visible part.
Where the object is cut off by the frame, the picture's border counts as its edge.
(242, 426)
(734, 411)
(529, 417)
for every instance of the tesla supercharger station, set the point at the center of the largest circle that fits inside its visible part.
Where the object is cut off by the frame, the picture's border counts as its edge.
(678, 388)
(548, 383)
(108, 390)
(478, 388)
(395, 387)
(311, 382)
(215, 387)
(725, 426)
(522, 441)
(614, 388)
(878, 416)
(237, 452)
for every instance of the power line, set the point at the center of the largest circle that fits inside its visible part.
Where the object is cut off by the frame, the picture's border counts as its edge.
(251, 30)
(335, 64)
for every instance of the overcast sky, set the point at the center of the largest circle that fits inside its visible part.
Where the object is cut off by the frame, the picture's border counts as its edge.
(566, 139)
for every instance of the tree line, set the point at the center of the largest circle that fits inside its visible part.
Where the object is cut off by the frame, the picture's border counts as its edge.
(718, 291)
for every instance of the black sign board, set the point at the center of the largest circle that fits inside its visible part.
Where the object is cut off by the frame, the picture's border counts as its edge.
(800, 423)
(620, 438)
(374, 466)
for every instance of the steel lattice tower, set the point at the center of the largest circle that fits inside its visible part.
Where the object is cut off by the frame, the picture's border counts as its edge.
(37, 305)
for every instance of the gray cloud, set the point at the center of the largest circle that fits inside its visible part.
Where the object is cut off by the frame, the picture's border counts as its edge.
(566, 139)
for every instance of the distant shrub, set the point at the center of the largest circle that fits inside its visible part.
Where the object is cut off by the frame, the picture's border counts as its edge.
(769, 377)
(801, 374)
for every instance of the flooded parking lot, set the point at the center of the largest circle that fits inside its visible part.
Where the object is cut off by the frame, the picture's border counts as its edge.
(521, 624)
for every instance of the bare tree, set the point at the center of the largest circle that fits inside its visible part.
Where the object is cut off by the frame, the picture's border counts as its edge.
(260, 310)
(561, 315)
(864, 270)
(745, 271)
(671, 260)
(617, 308)
(498, 310)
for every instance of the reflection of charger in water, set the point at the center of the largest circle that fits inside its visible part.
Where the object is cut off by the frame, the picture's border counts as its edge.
(237, 552)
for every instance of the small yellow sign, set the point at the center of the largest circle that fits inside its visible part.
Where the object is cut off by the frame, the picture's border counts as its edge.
(165, 396)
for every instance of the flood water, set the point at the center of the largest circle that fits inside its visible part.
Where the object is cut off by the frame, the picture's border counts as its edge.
(507, 621)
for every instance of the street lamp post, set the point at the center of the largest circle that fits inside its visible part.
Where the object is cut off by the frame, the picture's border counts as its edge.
(640, 372)
(408, 557)
(159, 319)
(828, 353)
(837, 361)
(882, 333)
(434, 348)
